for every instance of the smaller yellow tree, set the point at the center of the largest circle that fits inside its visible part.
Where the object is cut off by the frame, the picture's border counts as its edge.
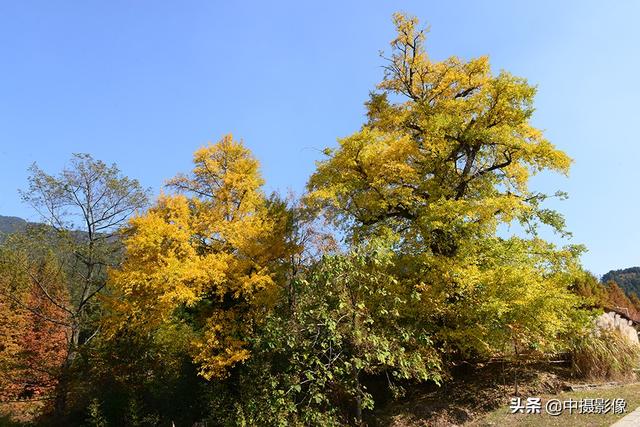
(200, 260)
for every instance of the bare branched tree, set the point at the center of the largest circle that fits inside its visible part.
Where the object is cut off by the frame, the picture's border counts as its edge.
(83, 207)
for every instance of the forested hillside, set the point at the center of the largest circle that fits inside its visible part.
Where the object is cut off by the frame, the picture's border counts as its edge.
(11, 224)
(628, 279)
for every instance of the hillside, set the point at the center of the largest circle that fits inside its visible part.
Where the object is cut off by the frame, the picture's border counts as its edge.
(11, 224)
(628, 279)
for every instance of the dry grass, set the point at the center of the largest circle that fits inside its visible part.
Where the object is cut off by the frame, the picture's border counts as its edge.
(503, 417)
(606, 356)
(479, 396)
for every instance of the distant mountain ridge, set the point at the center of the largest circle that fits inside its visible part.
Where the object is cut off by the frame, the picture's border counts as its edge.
(14, 224)
(628, 279)
(11, 224)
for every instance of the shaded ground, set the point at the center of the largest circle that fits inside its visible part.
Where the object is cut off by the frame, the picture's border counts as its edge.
(502, 416)
(479, 396)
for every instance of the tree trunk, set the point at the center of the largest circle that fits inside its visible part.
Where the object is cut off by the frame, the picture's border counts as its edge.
(64, 378)
(358, 408)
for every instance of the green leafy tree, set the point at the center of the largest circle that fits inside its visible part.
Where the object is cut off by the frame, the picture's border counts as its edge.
(352, 320)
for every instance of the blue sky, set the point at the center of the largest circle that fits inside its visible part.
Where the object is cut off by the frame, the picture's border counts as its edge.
(143, 83)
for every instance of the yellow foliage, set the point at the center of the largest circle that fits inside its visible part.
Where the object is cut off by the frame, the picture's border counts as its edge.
(445, 159)
(455, 147)
(206, 250)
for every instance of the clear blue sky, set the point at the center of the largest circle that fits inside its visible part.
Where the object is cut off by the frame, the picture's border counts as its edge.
(143, 83)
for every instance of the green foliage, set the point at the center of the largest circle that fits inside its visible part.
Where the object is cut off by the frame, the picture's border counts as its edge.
(350, 319)
(140, 380)
(589, 287)
(512, 301)
(95, 417)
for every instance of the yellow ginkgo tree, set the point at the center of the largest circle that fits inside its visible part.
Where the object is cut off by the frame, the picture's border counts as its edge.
(199, 260)
(442, 163)
(447, 145)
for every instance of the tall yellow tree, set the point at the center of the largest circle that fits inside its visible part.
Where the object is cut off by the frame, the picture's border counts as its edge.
(198, 261)
(442, 162)
(455, 149)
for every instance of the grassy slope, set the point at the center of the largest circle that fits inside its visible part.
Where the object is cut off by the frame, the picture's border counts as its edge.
(503, 417)
(469, 394)
(480, 395)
